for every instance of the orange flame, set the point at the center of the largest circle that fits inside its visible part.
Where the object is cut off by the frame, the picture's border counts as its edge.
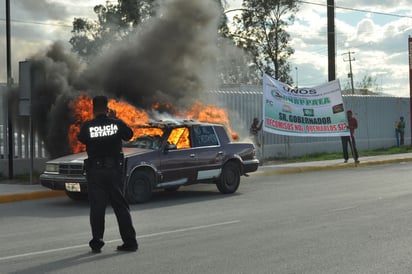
(82, 111)
(211, 114)
(180, 137)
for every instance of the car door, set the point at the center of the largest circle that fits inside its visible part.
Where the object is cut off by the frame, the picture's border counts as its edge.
(208, 151)
(178, 161)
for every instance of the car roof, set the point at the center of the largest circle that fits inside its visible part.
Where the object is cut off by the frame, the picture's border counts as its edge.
(174, 123)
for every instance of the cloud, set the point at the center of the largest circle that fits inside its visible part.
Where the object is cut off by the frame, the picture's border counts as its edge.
(39, 10)
(386, 6)
(355, 30)
(378, 40)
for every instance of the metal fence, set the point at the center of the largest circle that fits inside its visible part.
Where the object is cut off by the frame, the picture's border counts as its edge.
(22, 138)
(376, 116)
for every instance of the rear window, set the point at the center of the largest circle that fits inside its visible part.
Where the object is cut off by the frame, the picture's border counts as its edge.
(204, 136)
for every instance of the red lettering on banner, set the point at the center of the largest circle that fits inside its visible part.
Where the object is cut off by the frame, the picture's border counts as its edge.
(322, 128)
(299, 128)
(342, 126)
(278, 124)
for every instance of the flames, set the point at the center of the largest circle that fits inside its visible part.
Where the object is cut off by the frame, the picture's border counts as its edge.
(180, 137)
(211, 114)
(82, 111)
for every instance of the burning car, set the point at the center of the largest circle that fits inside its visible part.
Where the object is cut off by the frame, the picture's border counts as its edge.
(164, 155)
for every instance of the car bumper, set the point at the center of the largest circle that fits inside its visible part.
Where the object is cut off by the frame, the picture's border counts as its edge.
(250, 165)
(59, 182)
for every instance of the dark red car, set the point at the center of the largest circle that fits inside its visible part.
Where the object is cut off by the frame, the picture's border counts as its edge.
(165, 155)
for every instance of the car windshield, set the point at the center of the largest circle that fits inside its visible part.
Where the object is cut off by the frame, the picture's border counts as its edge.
(146, 137)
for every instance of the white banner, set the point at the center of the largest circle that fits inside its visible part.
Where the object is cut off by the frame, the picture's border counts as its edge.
(316, 112)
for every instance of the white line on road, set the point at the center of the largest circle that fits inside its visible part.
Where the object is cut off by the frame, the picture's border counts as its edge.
(344, 208)
(116, 240)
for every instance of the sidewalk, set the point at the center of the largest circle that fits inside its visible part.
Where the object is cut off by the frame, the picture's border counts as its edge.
(334, 164)
(13, 191)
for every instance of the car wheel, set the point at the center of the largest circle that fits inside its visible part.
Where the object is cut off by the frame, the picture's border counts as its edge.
(139, 188)
(77, 196)
(229, 179)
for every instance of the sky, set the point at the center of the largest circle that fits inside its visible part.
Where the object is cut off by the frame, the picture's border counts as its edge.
(374, 31)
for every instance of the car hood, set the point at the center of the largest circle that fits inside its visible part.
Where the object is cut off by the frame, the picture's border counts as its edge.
(79, 157)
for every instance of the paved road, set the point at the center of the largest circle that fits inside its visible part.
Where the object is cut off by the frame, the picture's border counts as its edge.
(346, 220)
(12, 191)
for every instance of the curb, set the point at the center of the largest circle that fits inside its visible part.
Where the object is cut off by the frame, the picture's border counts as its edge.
(7, 198)
(289, 170)
(30, 196)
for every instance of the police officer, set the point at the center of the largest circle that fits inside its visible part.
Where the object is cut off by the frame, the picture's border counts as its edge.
(103, 139)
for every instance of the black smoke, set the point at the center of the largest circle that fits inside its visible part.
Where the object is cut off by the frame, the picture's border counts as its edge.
(170, 58)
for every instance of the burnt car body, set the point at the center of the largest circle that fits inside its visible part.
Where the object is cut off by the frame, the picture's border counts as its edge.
(164, 155)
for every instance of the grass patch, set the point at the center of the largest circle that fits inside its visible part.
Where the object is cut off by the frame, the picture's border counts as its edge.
(334, 156)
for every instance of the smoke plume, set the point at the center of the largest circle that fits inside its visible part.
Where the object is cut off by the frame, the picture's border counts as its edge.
(169, 58)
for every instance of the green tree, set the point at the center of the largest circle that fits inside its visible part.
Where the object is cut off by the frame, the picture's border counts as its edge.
(260, 30)
(114, 22)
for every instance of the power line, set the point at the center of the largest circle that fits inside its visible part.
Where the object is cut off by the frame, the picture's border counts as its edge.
(38, 23)
(359, 10)
(227, 11)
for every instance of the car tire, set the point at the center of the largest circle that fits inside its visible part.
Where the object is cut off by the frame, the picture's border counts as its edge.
(229, 179)
(77, 196)
(139, 188)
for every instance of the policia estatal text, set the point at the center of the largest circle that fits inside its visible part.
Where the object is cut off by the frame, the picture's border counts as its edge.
(103, 139)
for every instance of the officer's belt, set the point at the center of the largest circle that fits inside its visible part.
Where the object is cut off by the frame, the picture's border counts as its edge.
(103, 162)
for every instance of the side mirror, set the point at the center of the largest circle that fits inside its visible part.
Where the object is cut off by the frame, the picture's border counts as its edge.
(170, 147)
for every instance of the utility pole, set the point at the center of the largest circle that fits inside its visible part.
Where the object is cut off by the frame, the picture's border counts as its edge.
(9, 83)
(410, 78)
(350, 68)
(331, 40)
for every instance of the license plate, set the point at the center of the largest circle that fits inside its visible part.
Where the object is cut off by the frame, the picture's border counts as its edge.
(73, 187)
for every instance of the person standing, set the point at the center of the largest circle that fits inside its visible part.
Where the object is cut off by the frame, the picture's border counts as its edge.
(103, 137)
(350, 140)
(397, 133)
(401, 129)
(254, 130)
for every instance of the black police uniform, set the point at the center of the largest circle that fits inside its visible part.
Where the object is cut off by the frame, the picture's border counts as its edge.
(103, 139)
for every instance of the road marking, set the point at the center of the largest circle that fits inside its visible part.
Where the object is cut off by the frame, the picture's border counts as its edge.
(193, 228)
(344, 208)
